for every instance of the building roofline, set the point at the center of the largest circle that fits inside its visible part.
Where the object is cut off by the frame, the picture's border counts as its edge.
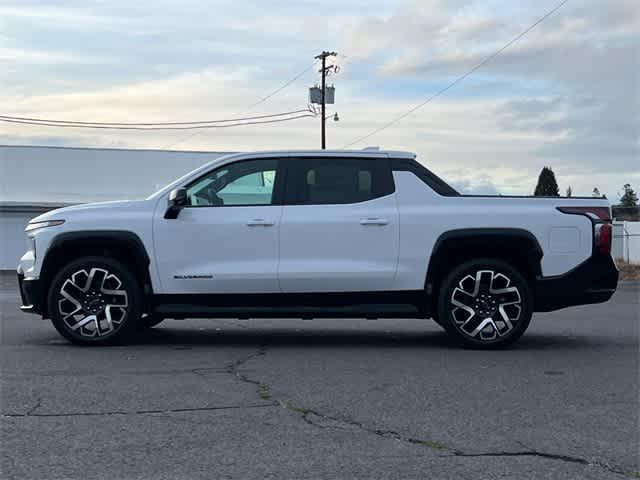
(57, 147)
(33, 207)
(353, 152)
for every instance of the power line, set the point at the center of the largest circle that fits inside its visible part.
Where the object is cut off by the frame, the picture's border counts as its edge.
(253, 105)
(282, 87)
(190, 127)
(462, 77)
(149, 124)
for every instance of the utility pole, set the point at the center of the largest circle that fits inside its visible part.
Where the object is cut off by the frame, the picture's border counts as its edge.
(323, 71)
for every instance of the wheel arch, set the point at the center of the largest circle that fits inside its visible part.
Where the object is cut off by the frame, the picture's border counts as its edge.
(517, 246)
(122, 245)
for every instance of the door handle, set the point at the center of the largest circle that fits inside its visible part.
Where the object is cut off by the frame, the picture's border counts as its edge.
(259, 222)
(374, 221)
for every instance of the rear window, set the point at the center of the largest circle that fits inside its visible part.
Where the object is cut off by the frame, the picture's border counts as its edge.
(318, 181)
(427, 176)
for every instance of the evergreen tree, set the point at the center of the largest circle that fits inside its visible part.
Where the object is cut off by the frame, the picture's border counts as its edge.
(629, 198)
(547, 185)
(569, 191)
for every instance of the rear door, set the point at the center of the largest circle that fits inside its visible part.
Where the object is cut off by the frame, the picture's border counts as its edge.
(339, 228)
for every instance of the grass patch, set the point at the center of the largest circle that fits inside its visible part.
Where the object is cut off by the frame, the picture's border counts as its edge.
(429, 444)
(293, 408)
(263, 391)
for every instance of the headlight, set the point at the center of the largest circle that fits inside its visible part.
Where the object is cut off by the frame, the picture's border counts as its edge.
(47, 223)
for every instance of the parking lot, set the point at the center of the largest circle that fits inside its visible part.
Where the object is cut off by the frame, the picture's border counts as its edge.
(301, 399)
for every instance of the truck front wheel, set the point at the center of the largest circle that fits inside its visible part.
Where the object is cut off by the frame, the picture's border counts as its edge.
(485, 303)
(94, 301)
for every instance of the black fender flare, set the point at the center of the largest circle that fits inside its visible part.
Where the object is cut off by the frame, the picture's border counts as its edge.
(104, 239)
(475, 237)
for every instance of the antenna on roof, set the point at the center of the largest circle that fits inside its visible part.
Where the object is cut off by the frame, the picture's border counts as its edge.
(368, 149)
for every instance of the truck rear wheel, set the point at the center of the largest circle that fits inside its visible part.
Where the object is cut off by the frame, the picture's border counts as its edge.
(485, 303)
(95, 301)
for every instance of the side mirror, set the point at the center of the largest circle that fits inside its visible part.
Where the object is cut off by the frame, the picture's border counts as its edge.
(176, 202)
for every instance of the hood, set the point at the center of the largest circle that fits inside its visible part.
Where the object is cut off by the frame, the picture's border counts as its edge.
(67, 212)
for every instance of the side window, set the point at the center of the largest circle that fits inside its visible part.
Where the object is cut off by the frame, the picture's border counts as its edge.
(426, 176)
(337, 180)
(249, 182)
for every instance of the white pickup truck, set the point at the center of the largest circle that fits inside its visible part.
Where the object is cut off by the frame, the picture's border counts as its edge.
(310, 234)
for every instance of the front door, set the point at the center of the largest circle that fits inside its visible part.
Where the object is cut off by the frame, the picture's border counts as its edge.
(339, 230)
(226, 239)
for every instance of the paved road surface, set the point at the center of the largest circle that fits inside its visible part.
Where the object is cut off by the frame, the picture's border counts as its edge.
(294, 399)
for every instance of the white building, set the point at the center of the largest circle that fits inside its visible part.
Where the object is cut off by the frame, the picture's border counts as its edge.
(626, 241)
(34, 180)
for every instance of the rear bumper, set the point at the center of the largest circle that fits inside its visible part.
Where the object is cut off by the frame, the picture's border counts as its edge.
(593, 281)
(31, 295)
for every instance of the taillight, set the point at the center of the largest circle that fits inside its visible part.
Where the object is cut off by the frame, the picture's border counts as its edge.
(602, 232)
(601, 219)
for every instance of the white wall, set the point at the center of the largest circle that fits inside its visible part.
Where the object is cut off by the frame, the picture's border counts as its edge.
(626, 241)
(35, 175)
(12, 238)
(633, 240)
(80, 175)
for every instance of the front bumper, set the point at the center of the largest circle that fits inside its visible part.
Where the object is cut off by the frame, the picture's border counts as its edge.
(593, 281)
(31, 295)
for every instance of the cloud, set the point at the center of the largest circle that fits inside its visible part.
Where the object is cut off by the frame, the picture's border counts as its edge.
(571, 85)
(40, 57)
(482, 185)
(566, 95)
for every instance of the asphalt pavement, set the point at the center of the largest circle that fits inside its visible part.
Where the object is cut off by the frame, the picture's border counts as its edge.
(321, 399)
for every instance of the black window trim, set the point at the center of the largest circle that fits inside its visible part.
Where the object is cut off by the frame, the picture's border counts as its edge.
(278, 187)
(382, 162)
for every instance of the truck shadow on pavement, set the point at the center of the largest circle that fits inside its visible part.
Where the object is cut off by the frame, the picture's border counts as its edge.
(181, 339)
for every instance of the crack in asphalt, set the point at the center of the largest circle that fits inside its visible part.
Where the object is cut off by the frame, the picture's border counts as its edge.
(550, 456)
(34, 408)
(315, 418)
(320, 420)
(31, 413)
(232, 368)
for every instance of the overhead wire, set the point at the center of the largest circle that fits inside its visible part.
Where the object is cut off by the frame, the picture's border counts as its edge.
(282, 87)
(460, 78)
(253, 105)
(144, 124)
(187, 127)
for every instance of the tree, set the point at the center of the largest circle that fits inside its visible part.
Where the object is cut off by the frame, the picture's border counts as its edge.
(569, 191)
(547, 185)
(629, 198)
(596, 192)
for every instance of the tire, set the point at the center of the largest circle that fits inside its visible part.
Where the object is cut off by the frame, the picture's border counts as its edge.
(150, 321)
(95, 301)
(485, 303)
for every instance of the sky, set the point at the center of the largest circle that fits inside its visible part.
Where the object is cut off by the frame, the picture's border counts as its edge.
(567, 95)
